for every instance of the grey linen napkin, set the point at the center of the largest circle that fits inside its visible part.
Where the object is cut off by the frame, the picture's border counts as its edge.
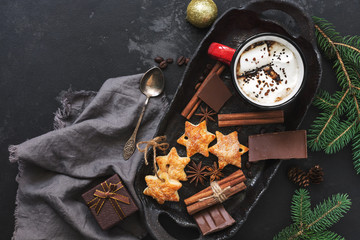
(87, 147)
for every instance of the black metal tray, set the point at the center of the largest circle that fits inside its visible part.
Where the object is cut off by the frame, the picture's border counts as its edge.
(170, 220)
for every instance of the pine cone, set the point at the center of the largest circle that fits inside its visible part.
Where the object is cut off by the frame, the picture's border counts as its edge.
(299, 177)
(316, 174)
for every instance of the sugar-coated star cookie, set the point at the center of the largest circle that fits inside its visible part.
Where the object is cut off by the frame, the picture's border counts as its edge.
(196, 139)
(173, 165)
(228, 149)
(160, 190)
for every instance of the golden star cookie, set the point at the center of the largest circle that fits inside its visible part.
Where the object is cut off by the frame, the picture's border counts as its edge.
(227, 149)
(173, 165)
(160, 190)
(196, 139)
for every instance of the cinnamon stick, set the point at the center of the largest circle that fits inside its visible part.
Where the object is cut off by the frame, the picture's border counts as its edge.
(251, 118)
(194, 102)
(191, 105)
(220, 70)
(251, 115)
(198, 206)
(197, 104)
(231, 180)
(249, 122)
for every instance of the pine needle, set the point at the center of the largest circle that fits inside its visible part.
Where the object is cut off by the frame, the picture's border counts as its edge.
(356, 152)
(325, 235)
(287, 233)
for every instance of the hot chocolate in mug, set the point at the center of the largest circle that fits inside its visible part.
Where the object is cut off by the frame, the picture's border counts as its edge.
(268, 69)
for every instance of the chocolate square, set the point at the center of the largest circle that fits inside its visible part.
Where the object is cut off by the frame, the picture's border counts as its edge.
(213, 219)
(116, 205)
(278, 145)
(214, 93)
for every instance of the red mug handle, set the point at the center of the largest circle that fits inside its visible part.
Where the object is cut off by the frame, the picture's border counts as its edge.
(221, 52)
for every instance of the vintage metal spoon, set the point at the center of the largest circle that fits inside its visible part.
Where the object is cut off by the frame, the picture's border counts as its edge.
(151, 85)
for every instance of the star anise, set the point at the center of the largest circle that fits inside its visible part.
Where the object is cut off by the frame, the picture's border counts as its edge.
(206, 114)
(214, 172)
(196, 173)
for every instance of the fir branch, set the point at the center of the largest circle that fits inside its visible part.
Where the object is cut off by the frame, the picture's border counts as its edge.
(346, 79)
(300, 207)
(336, 52)
(331, 116)
(329, 31)
(358, 88)
(314, 224)
(338, 123)
(329, 212)
(343, 135)
(325, 138)
(324, 101)
(348, 46)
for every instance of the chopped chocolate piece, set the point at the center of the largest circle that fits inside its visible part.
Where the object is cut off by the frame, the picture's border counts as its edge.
(215, 93)
(213, 219)
(278, 145)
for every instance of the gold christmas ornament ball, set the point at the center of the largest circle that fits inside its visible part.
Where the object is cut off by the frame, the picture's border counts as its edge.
(201, 13)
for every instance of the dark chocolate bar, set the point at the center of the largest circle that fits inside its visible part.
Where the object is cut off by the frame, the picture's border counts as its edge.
(213, 219)
(215, 93)
(278, 145)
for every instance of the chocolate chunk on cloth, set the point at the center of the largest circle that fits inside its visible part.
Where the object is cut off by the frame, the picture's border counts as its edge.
(278, 145)
(215, 93)
(56, 168)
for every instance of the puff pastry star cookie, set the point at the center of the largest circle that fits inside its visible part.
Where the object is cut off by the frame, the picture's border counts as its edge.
(196, 139)
(160, 190)
(228, 149)
(173, 165)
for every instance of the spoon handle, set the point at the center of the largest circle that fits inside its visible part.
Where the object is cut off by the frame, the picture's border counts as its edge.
(129, 147)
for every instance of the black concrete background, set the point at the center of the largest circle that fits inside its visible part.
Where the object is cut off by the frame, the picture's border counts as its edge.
(49, 46)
